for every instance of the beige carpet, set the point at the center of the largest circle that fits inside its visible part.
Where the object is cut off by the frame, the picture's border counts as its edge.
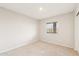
(41, 49)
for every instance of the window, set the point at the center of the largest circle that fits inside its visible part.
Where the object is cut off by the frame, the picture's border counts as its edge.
(51, 27)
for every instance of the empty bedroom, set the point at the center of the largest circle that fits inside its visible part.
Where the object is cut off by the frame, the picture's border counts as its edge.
(39, 29)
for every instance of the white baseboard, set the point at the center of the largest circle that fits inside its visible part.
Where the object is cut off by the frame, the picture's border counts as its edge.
(56, 44)
(18, 45)
(76, 50)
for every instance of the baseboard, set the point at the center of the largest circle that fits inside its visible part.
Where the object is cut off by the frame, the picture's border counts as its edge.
(77, 50)
(18, 45)
(56, 44)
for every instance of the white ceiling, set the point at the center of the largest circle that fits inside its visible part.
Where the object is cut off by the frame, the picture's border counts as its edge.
(39, 10)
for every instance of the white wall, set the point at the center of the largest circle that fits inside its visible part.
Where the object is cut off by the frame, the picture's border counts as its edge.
(65, 32)
(16, 30)
(77, 29)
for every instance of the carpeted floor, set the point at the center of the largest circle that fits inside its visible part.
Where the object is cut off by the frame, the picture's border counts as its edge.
(41, 49)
